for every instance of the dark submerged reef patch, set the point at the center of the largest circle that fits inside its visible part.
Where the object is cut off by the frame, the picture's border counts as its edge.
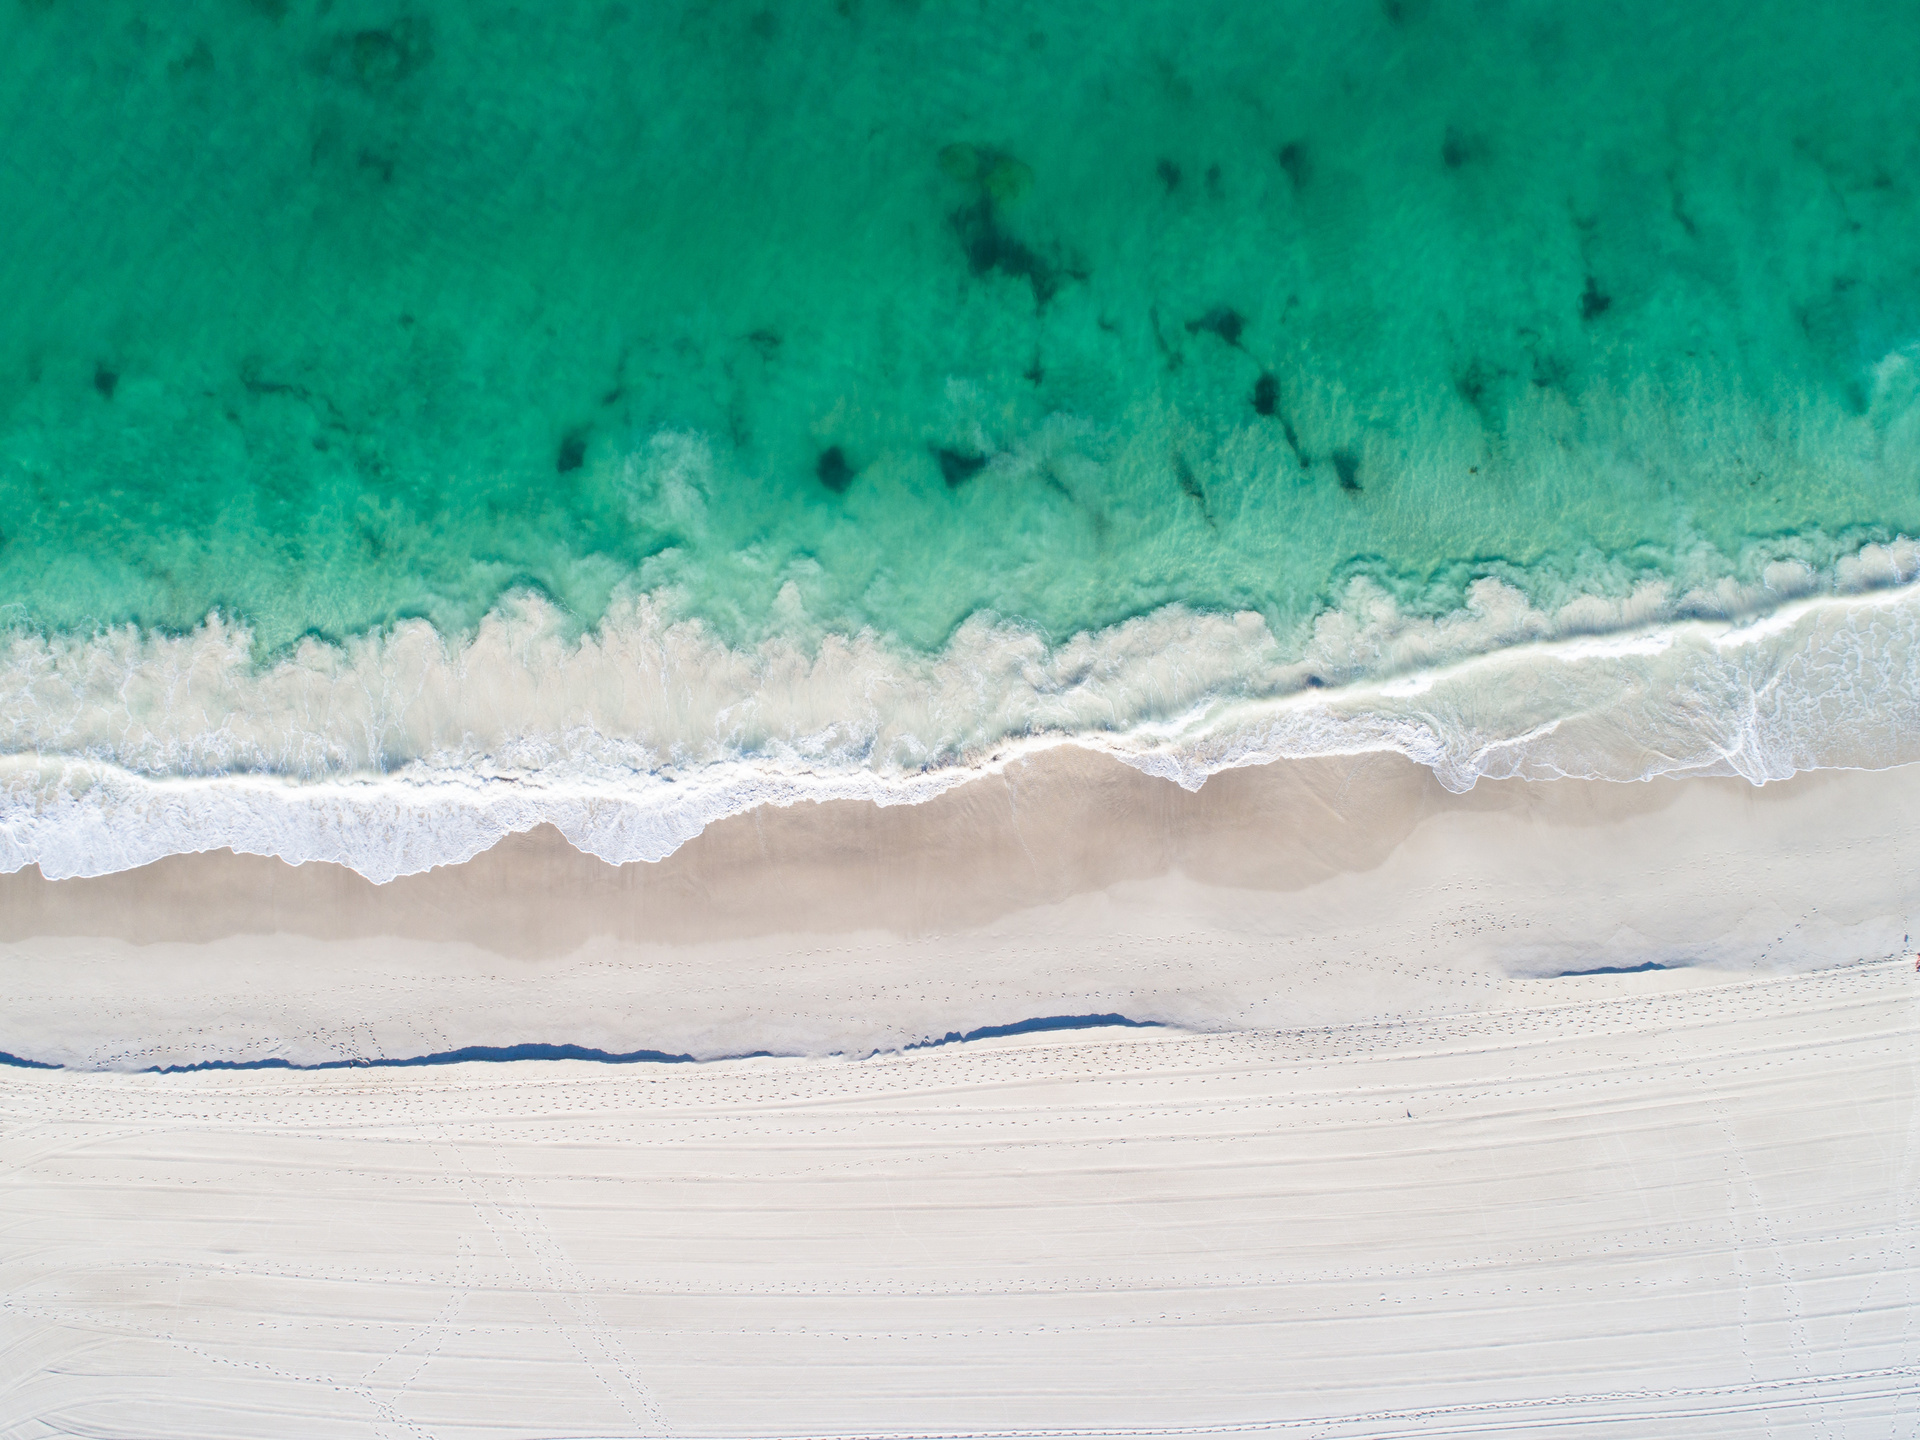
(833, 471)
(998, 178)
(377, 60)
(1459, 148)
(1266, 403)
(1296, 162)
(957, 466)
(1190, 485)
(1593, 303)
(1478, 383)
(1223, 321)
(989, 246)
(1173, 358)
(1293, 444)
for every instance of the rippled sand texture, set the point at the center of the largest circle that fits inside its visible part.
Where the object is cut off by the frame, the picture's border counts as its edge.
(1619, 1210)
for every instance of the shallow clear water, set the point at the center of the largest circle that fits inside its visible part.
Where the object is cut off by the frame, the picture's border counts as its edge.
(329, 314)
(805, 319)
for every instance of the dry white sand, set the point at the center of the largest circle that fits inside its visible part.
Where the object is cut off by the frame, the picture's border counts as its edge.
(1418, 1181)
(1626, 1208)
(1324, 892)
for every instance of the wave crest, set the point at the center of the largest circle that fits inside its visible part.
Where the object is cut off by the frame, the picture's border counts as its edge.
(401, 751)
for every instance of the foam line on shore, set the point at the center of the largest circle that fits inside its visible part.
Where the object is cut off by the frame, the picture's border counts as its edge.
(400, 753)
(1315, 892)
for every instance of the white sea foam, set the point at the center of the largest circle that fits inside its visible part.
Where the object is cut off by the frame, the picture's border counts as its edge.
(402, 751)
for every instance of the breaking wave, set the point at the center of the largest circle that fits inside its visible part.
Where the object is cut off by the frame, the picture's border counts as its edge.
(405, 750)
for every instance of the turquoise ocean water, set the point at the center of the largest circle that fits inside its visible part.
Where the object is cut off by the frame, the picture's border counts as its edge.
(570, 399)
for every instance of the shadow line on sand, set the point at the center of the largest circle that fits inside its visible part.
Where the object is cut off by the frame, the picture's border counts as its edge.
(493, 1054)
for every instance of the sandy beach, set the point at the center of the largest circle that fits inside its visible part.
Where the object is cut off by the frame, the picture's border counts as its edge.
(1547, 1108)
(1652, 1213)
(979, 720)
(1322, 892)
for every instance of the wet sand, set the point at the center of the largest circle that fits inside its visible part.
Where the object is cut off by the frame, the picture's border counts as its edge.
(1334, 891)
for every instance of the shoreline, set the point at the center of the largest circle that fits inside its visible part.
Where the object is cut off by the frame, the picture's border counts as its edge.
(419, 750)
(1331, 891)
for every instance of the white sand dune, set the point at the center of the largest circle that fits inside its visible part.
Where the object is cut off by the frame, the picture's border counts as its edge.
(1629, 1205)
